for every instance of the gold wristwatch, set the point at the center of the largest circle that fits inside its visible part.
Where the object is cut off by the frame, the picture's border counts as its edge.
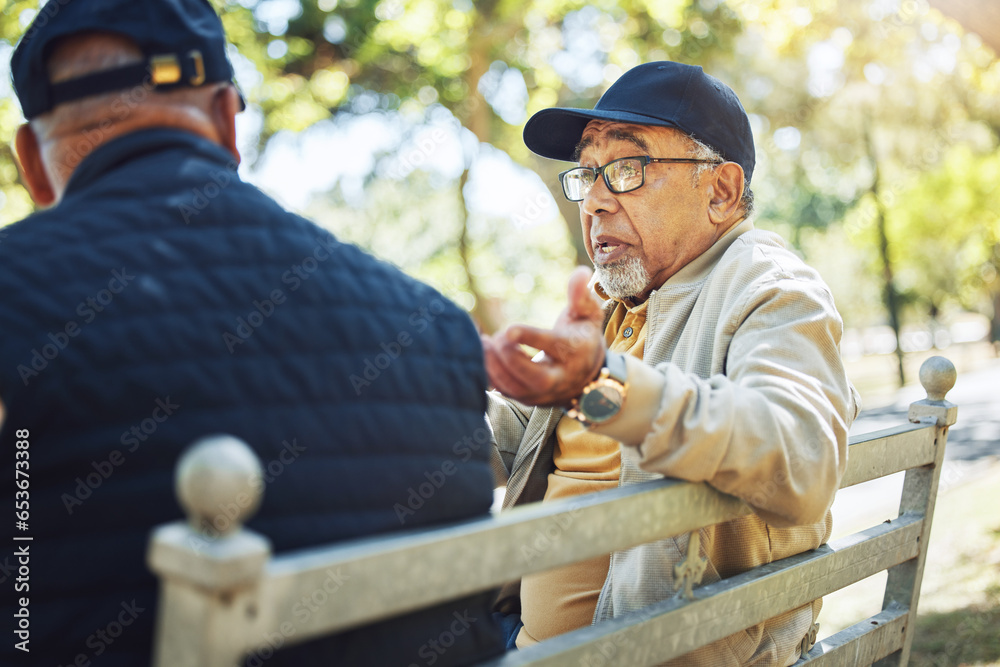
(602, 400)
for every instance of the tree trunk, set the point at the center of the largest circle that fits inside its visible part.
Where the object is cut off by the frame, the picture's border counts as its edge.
(570, 210)
(889, 293)
(476, 118)
(571, 214)
(995, 323)
(480, 311)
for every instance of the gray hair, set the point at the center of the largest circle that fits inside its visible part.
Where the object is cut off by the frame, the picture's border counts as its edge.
(702, 151)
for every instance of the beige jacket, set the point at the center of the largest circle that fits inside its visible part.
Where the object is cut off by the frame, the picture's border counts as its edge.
(742, 386)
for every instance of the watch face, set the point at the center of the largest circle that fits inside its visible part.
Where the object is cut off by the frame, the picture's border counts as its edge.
(601, 403)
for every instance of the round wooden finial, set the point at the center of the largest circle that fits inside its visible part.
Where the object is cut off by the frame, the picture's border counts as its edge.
(938, 376)
(219, 483)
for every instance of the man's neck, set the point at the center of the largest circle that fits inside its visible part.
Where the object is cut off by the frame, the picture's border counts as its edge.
(65, 147)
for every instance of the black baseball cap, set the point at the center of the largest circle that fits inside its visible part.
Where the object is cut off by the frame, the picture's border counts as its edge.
(182, 41)
(665, 94)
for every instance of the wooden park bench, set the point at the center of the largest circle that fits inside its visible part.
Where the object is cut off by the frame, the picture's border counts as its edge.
(223, 595)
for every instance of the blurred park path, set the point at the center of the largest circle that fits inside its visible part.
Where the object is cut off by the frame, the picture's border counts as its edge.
(976, 392)
(875, 375)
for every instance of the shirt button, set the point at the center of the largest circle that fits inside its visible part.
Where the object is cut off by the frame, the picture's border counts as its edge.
(628, 332)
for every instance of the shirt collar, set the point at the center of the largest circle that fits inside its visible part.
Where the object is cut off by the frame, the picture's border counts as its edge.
(134, 145)
(630, 305)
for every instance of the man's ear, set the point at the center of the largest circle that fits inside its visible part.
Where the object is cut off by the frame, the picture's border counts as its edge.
(225, 106)
(29, 159)
(727, 191)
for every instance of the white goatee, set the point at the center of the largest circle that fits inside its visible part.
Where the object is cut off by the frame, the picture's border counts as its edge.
(623, 279)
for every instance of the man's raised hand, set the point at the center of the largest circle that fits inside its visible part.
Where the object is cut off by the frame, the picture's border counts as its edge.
(572, 351)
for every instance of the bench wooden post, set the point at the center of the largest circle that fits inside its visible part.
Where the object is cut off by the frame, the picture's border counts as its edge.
(920, 487)
(209, 566)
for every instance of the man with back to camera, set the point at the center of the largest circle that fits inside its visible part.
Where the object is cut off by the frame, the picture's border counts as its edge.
(710, 355)
(160, 299)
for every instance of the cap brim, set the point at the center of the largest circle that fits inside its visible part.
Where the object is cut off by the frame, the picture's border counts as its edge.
(555, 133)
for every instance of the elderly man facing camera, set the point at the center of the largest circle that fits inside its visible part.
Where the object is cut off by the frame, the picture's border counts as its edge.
(703, 350)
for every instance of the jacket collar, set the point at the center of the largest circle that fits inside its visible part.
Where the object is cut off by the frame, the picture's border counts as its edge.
(140, 144)
(698, 269)
(692, 273)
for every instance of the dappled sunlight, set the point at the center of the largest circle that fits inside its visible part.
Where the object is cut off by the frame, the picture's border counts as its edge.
(876, 125)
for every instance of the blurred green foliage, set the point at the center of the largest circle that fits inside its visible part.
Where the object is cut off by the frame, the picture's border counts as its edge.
(15, 203)
(838, 93)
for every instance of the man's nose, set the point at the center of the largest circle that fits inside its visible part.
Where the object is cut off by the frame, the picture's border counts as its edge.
(599, 200)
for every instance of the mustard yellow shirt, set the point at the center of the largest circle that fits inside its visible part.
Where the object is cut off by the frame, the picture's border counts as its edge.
(564, 599)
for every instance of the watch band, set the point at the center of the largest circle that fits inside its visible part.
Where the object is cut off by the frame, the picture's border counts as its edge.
(615, 363)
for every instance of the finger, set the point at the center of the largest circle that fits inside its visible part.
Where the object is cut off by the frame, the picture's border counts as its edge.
(530, 381)
(583, 303)
(539, 379)
(540, 339)
(509, 370)
(544, 382)
(504, 382)
(489, 344)
(568, 345)
(488, 353)
(492, 353)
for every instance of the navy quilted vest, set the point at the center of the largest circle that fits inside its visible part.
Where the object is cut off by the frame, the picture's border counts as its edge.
(164, 300)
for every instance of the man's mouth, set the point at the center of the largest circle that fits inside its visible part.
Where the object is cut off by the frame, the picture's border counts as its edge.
(609, 251)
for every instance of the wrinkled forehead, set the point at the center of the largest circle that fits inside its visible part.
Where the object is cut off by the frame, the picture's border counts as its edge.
(647, 139)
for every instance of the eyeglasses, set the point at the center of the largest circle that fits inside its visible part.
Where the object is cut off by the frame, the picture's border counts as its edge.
(622, 175)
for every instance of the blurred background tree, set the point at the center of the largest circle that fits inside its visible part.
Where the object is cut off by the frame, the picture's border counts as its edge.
(397, 124)
(15, 203)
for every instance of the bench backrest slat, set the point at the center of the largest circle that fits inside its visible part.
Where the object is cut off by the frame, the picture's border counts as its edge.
(888, 451)
(397, 574)
(675, 627)
(861, 644)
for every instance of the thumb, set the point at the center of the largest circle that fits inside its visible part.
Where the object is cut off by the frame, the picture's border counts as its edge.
(583, 303)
